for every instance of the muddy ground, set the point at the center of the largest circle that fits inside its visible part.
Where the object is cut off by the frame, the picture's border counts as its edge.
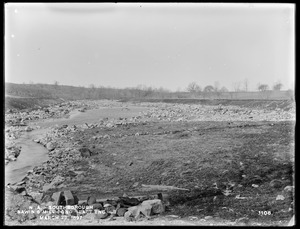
(196, 156)
(237, 172)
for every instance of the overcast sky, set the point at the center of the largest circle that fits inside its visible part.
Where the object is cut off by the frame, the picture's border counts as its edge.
(160, 45)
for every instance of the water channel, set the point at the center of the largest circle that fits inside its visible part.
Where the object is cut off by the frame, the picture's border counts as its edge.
(34, 154)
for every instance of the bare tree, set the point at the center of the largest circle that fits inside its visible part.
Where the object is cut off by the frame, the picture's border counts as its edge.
(208, 88)
(237, 86)
(246, 84)
(223, 92)
(208, 91)
(262, 87)
(224, 89)
(264, 92)
(277, 86)
(193, 88)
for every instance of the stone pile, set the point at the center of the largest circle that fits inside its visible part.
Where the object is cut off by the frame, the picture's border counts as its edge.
(184, 112)
(11, 153)
(64, 204)
(56, 111)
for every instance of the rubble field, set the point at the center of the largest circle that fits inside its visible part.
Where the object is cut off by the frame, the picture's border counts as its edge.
(173, 164)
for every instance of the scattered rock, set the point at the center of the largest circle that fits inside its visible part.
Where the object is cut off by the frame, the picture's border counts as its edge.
(146, 209)
(208, 217)
(121, 211)
(46, 199)
(91, 200)
(280, 197)
(173, 216)
(136, 184)
(107, 205)
(37, 196)
(57, 180)
(69, 198)
(31, 216)
(156, 204)
(256, 180)
(276, 183)
(243, 220)
(100, 214)
(28, 129)
(57, 198)
(110, 209)
(292, 221)
(17, 189)
(132, 213)
(85, 152)
(129, 201)
(50, 146)
(288, 188)
(97, 206)
(193, 217)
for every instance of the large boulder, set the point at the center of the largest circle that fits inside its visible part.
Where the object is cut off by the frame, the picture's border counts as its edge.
(69, 198)
(57, 198)
(133, 213)
(121, 211)
(156, 204)
(91, 200)
(126, 201)
(50, 146)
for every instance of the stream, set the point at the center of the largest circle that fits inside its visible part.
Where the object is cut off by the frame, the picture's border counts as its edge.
(34, 154)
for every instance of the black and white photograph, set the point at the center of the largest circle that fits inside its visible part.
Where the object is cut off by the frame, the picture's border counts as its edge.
(127, 114)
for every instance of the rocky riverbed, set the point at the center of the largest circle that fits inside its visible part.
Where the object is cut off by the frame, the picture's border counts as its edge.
(82, 155)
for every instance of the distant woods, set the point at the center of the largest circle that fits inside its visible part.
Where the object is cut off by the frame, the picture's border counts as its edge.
(55, 90)
(193, 90)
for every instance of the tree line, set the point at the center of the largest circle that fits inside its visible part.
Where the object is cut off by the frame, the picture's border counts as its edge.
(193, 90)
